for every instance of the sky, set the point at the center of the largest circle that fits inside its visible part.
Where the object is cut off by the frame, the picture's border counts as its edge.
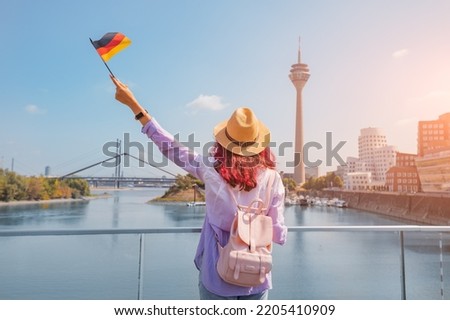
(191, 63)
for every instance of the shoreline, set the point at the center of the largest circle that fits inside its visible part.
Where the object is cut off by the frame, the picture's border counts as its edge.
(51, 201)
(424, 208)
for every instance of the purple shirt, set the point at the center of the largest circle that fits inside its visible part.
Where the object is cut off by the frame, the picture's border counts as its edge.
(220, 208)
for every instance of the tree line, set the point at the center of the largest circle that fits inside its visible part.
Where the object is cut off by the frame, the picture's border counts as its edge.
(14, 187)
(330, 180)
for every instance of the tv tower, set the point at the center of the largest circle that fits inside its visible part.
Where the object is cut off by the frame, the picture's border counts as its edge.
(299, 76)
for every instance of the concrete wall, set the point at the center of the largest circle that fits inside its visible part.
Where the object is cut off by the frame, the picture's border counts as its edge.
(420, 208)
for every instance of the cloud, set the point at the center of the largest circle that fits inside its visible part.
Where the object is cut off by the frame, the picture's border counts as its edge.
(34, 109)
(400, 53)
(206, 102)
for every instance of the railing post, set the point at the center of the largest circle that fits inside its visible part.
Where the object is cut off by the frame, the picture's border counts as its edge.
(402, 266)
(441, 264)
(141, 267)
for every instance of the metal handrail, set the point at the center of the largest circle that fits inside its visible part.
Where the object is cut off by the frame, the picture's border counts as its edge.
(79, 232)
(141, 232)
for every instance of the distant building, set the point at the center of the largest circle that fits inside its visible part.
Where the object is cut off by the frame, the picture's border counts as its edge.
(433, 147)
(48, 171)
(369, 140)
(405, 159)
(403, 177)
(434, 171)
(340, 171)
(358, 181)
(433, 135)
(374, 156)
(311, 172)
(384, 158)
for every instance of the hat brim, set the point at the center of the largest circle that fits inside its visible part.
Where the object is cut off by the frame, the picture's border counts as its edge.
(248, 149)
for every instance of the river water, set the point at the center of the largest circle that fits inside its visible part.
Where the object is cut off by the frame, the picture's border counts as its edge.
(312, 265)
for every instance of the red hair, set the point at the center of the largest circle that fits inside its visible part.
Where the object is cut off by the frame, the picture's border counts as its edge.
(239, 170)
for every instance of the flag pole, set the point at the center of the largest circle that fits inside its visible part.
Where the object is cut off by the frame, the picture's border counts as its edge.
(112, 74)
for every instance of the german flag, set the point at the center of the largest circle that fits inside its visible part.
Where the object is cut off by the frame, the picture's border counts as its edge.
(110, 44)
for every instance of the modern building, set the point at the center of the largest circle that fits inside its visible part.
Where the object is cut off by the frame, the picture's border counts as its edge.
(340, 171)
(403, 177)
(369, 140)
(433, 148)
(374, 156)
(405, 159)
(433, 135)
(358, 181)
(299, 75)
(434, 171)
(384, 158)
(311, 172)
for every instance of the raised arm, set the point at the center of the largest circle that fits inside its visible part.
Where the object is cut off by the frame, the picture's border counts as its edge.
(126, 96)
(179, 154)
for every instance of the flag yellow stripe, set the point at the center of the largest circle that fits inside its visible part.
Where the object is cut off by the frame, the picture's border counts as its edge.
(122, 45)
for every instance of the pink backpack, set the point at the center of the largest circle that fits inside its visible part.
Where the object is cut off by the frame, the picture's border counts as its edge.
(247, 257)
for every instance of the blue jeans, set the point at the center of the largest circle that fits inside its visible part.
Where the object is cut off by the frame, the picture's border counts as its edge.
(207, 295)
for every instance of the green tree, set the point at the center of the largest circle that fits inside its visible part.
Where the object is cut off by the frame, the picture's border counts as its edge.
(184, 183)
(322, 182)
(16, 187)
(289, 184)
(80, 187)
(2, 184)
(35, 188)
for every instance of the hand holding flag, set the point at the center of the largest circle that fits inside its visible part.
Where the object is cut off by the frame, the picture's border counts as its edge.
(109, 45)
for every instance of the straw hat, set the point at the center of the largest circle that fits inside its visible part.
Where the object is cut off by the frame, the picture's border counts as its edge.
(243, 133)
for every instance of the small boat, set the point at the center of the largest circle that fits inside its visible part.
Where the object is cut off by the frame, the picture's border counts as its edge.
(195, 204)
(341, 204)
(303, 202)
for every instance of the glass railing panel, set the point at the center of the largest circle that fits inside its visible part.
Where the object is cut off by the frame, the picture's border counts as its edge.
(324, 264)
(424, 263)
(69, 267)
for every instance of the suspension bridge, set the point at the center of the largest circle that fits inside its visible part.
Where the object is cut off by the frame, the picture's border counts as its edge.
(118, 180)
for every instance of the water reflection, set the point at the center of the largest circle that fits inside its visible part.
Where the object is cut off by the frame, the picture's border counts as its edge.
(312, 265)
(185, 216)
(38, 215)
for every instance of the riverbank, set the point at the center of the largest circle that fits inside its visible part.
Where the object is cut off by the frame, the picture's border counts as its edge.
(183, 196)
(52, 201)
(420, 208)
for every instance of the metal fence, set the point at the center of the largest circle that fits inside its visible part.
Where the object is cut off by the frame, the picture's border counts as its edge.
(400, 230)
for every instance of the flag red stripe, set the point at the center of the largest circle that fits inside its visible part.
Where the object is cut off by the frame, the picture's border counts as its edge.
(114, 42)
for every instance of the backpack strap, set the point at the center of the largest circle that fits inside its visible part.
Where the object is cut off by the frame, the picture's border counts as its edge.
(268, 190)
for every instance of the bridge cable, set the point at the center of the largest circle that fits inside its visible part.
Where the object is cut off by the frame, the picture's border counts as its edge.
(150, 164)
(115, 157)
